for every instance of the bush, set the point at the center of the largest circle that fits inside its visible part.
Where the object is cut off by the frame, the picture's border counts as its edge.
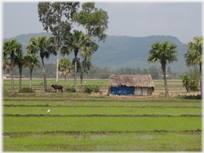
(193, 86)
(189, 96)
(26, 90)
(70, 89)
(89, 89)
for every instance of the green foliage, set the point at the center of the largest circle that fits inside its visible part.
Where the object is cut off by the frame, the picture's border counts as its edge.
(164, 52)
(93, 19)
(26, 90)
(32, 62)
(185, 79)
(70, 89)
(43, 44)
(189, 96)
(194, 53)
(193, 86)
(91, 88)
(190, 82)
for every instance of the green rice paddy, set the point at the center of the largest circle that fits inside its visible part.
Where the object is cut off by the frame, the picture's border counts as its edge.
(101, 111)
(83, 122)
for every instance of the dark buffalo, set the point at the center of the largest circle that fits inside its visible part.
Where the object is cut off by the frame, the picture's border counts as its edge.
(57, 87)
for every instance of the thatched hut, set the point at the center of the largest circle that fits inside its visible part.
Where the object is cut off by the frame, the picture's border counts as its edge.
(131, 85)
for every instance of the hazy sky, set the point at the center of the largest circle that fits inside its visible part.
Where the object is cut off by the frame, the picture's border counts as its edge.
(182, 20)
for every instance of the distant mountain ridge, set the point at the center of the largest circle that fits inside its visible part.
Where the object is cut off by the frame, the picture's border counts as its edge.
(121, 51)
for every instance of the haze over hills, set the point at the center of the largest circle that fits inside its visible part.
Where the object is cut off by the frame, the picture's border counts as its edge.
(121, 51)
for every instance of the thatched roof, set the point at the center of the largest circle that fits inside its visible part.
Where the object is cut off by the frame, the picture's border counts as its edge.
(131, 81)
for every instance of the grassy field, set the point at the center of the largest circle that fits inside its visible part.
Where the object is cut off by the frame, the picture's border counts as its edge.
(95, 122)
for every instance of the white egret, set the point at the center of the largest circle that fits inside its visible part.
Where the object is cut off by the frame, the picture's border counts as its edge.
(48, 111)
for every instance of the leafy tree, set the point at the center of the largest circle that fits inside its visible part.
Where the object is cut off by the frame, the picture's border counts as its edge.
(44, 45)
(164, 52)
(95, 22)
(32, 62)
(11, 47)
(57, 17)
(195, 77)
(186, 81)
(194, 55)
(93, 19)
(65, 67)
(19, 61)
(74, 42)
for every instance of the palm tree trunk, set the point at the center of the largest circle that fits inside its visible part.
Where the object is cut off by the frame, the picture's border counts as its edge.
(75, 73)
(82, 73)
(12, 64)
(165, 81)
(201, 82)
(81, 83)
(31, 70)
(65, 81)
(44, 74)
(187, 87)
(20, 74)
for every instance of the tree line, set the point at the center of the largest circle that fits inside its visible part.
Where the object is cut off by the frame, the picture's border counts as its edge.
(58, 17)
(97, 73)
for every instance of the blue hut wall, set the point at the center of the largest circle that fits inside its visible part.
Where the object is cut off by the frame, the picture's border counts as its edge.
(122, 90)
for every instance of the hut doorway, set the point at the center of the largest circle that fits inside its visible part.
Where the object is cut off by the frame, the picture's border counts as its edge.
(144, 91)
(138, 91)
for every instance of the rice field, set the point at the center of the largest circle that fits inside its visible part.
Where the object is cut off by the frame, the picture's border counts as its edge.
(93, 122)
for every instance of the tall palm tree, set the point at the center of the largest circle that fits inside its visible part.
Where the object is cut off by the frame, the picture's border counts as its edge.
(194, 56)
(86, 53)
(11, 47)
(164, 52)
(74, 42)
(19, 61)
(65, 66)
(43, 44)
(32, 62)
(186, 81)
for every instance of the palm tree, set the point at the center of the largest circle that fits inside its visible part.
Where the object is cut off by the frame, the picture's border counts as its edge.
(74, 42)
(164, 52)
(11, 47)
(86, 53)
(6, 63)
(44, 45)
(32, 62)
(82, 67)
(65, 66)
(194, 56)
(186, 81)
(19, 61)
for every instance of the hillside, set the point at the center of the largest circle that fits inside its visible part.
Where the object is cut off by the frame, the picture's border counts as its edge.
(122, 51)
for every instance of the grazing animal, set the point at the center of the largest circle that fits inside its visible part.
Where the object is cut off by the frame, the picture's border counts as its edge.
(57, 87)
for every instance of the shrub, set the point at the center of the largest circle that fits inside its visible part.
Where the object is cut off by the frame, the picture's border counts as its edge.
(70, 89)
(193, 86)
(26, 90)
(189, 96)
(93, 88)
